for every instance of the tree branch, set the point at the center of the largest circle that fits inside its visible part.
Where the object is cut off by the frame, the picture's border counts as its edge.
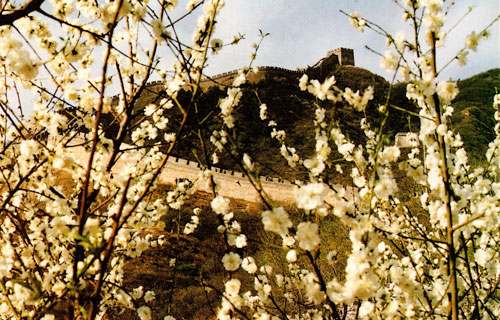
(9, 18)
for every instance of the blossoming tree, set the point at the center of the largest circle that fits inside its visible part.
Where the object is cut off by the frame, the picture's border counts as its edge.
(67, 247)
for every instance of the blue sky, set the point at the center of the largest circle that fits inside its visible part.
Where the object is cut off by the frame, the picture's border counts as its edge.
(301, 33)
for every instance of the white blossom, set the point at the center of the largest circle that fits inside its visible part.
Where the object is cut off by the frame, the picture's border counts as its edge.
(276, 220)
(137, 293)
(447, 91)
(315, 165)
(358, 22)
(307, 236)
(159, 31)
(310, 196)
(233, 287)
(291, 256)
(231, 261)
(263, 111)
(248, 264)
(389, 61)
(149, 296)
(144, 313)
(248, 162)
(220, 205)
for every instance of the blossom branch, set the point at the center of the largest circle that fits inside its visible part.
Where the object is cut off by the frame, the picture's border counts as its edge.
(28, 8)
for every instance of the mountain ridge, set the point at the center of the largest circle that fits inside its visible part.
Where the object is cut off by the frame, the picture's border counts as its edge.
(293, 110)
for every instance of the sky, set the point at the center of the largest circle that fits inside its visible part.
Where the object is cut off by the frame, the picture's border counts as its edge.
(302, 32)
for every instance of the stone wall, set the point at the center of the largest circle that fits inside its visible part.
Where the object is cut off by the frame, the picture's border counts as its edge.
(339, 56)
(233, 184)
(226, 78)
(344, 55)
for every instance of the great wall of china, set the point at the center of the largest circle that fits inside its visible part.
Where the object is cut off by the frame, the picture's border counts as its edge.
(235, 184)
(336, 57)
(232, 184)
(226, 78)
(339, 56)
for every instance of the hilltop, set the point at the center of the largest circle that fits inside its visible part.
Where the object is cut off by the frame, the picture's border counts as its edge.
(291, 108)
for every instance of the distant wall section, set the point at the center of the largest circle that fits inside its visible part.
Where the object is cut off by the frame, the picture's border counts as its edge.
(336, 57)
(226, 78)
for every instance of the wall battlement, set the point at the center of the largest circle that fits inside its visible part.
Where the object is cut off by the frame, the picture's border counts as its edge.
(233, 184)
(338, 56)
(259, 69)
(344, 55)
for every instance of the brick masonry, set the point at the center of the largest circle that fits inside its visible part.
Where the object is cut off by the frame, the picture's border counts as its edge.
(232, 184)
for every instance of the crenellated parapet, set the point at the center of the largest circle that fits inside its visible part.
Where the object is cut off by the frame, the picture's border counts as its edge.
(254, 76)
(156, 83)
(232, 184)
(339, 56)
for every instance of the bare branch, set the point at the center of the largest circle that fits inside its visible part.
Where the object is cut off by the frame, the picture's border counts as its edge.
(9, 18)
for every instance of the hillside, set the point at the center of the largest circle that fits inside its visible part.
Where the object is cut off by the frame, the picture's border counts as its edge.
(291, 108)
(294, 112)
(474, 116)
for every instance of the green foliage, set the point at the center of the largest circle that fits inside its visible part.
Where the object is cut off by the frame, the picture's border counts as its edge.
(474, 117)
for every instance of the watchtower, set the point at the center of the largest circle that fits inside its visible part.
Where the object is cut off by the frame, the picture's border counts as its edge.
(345, 56)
